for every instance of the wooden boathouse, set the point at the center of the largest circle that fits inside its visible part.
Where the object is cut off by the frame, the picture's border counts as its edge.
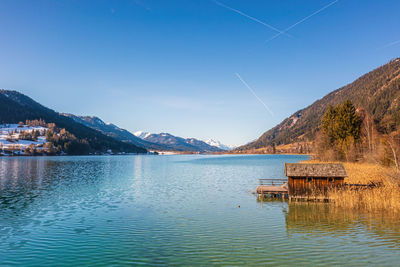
(304, 179)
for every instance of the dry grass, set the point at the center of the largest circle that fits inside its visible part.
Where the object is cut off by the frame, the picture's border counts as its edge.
(383, 198)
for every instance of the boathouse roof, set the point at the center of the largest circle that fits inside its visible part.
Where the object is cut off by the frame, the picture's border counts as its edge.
(315, 170)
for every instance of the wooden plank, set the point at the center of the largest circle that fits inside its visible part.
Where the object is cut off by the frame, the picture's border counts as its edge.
(262, 189)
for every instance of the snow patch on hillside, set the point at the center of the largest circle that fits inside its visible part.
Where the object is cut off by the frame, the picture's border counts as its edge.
(142, 134)
(10, 138)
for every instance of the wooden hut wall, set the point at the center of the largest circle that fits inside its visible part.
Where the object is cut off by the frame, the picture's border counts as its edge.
(299, 186)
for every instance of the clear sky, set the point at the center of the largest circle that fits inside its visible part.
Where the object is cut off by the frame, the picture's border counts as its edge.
(183, 67)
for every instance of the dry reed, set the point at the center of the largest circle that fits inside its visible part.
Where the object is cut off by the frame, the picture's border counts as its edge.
(384, 198)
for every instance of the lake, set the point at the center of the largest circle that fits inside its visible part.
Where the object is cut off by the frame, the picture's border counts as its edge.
(175, 210)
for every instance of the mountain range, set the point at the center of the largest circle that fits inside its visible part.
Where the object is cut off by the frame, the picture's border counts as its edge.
(112, 130)
(16, 107)
(176, 143)
(377, 92)
(159, 142)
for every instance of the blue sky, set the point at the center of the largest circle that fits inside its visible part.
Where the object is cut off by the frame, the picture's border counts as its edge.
(170, 66)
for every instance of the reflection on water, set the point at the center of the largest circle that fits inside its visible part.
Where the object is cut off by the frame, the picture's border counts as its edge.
(314, 218)
(36, 190)
(174, 210)
(321, 219)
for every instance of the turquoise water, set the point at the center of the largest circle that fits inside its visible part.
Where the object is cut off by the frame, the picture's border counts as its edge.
(174, 210)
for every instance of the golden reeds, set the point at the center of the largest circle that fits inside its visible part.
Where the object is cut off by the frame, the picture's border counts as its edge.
(385, 197)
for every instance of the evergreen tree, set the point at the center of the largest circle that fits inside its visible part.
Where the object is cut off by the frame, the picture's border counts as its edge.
(328, 122)
(347, 122)
(342, 127)
(341, 122)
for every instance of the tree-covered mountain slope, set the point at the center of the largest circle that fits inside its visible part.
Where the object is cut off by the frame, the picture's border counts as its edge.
(109, 129)
(16, 107)
(378, 92)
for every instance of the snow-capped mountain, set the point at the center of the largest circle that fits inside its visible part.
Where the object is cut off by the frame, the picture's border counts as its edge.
(218, 144)
(178, 143)
(158, 142)
(141, 134)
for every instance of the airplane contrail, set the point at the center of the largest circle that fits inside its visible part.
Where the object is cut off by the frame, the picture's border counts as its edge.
(301, 21)
(390, 44)
(250, 17)
(254, 93)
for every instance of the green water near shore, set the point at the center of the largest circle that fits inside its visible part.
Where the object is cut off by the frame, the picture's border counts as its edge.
(175, 210)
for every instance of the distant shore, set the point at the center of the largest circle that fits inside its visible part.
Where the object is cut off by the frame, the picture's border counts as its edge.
(255, 153)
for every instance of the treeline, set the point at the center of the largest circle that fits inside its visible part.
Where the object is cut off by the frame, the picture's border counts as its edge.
(347, 134)
(58, 140)
(30, 135)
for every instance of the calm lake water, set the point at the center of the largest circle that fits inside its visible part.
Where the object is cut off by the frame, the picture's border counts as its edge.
(174, 210)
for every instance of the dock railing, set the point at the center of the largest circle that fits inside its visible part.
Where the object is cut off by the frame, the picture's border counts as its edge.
(272, 182)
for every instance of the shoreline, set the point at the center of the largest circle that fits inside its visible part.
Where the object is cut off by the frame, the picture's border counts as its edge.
(165, 153)
(160, 153)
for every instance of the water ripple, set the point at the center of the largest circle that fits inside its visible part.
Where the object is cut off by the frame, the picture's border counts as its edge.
(174, 210)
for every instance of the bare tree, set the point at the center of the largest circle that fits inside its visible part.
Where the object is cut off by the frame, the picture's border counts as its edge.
(394, 147)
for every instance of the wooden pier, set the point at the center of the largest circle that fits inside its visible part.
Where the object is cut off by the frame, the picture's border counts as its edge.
(273, 187)
(305, 181)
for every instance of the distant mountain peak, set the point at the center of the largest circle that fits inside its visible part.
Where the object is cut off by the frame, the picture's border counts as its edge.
(218, 144)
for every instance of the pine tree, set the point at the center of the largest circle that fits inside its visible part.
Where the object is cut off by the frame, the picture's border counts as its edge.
(347, 122)
(341, 126)
(328, 122)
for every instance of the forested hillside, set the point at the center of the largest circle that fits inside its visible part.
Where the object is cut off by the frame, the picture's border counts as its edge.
(111, 130)
(16, 107)
(377, 92)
